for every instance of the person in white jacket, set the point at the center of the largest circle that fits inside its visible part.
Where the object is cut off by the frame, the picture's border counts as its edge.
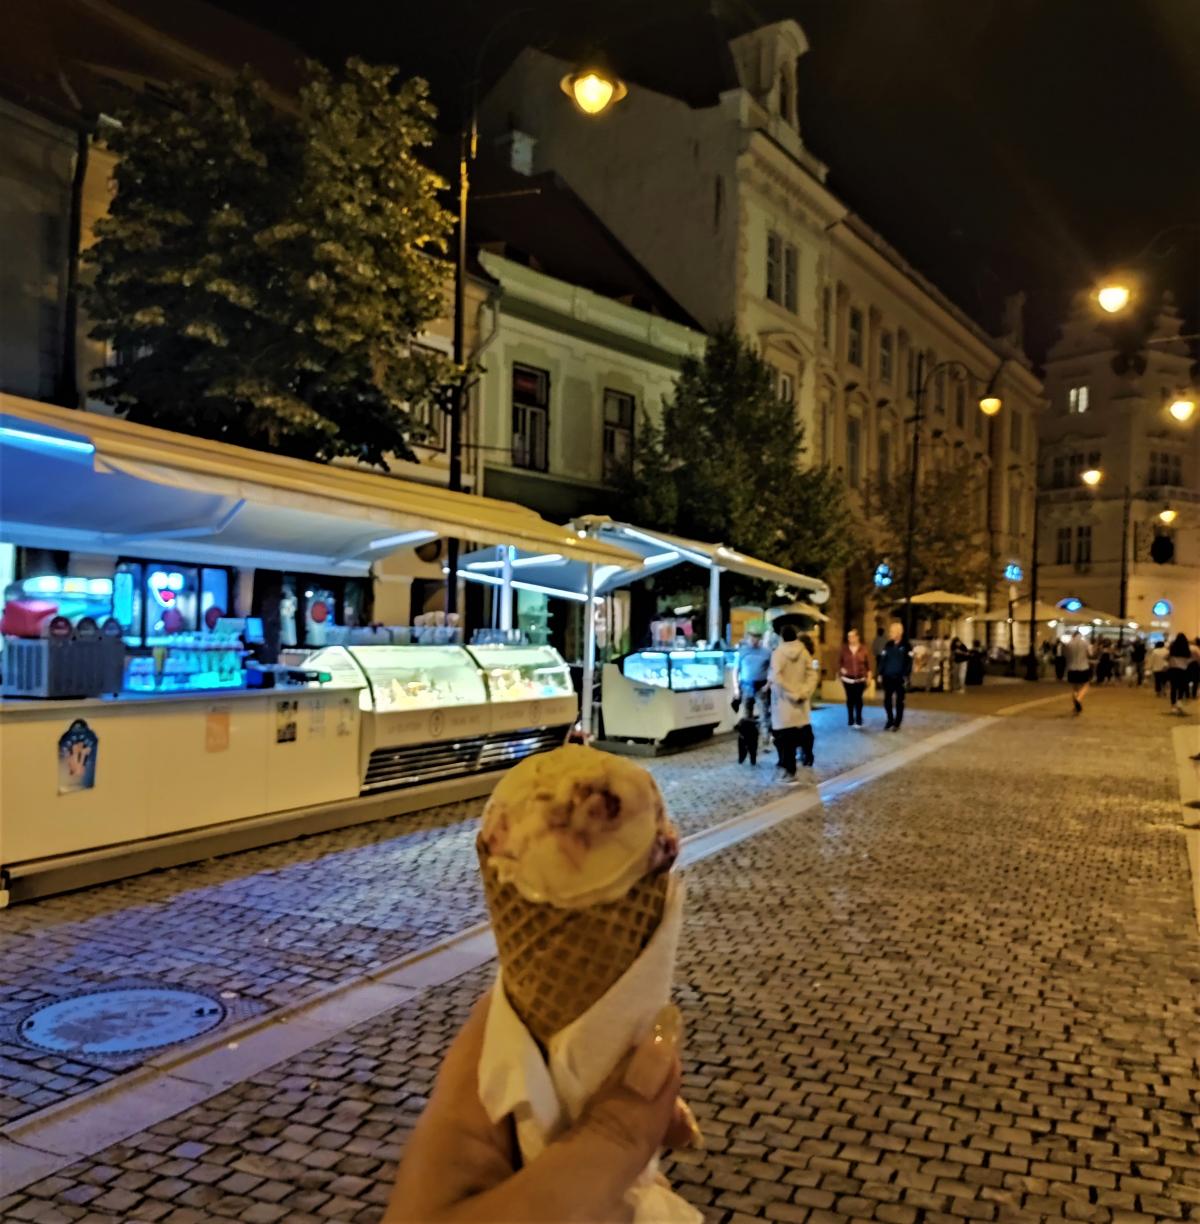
(793, 681)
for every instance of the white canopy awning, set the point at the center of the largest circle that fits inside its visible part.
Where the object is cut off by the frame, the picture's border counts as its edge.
(89, 482)
(1045, 614)
(562, 575)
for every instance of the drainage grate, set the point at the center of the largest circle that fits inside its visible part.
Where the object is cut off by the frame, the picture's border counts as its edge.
(118, 1026)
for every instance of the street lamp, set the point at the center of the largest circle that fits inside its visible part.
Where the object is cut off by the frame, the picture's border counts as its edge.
(1182, 409)
(1113, 298)
(593, 90)
(1115, 294)
(989, 404)
(1168, 516)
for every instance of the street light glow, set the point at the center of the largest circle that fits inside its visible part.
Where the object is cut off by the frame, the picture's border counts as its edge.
(593, 90)
(1168, 516)
(1182, 409)
(1113, 298)
(990, 405)
(1092, 477)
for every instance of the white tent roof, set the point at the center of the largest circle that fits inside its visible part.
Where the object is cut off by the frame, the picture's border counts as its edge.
(90, 482)
(559, 574)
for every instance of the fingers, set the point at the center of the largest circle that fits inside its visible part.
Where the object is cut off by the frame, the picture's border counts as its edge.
(684, 1130)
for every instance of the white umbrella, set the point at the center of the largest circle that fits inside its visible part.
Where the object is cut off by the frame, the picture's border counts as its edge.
(946, 597)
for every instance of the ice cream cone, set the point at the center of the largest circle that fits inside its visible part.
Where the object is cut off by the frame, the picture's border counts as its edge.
(557, 962)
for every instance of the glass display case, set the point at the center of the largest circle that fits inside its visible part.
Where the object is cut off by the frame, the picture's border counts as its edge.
(679, 670)
(183, 662)
(522, 673)
(407, 677)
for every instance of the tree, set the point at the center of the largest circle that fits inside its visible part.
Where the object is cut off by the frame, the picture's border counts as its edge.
(949, 541)
(724, 466)
(262, 271)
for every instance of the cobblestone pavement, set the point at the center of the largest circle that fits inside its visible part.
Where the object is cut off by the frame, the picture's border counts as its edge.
(966, 991)
(277, 924)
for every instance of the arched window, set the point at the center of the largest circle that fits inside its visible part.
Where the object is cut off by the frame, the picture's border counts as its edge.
(786, 97)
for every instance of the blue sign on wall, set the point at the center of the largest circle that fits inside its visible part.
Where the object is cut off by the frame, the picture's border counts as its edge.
(1162, 608)
(1013, 572)
(1071, 605)
(883, 574)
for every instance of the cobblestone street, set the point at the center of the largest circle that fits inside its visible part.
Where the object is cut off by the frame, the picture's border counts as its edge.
(967, 989)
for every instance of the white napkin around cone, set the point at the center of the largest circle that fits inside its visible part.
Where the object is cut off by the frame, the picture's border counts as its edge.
(546, 1096)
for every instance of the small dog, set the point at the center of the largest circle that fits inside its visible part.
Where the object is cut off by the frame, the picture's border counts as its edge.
(748, 732)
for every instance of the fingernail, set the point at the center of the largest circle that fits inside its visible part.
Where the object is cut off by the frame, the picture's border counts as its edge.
(695, 1136)
(654, 1059)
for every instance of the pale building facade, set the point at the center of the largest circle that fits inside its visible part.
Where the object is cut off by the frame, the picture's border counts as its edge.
(730, 211)
(1109, 411)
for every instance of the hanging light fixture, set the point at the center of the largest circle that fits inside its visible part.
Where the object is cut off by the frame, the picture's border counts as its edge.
(593, 88)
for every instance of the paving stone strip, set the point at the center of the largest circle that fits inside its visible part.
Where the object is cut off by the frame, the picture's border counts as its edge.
(286, 923)
(966, 991)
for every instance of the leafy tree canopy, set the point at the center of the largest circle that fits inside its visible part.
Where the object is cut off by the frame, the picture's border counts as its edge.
(724, 467)
(262, 271)
(949, 537)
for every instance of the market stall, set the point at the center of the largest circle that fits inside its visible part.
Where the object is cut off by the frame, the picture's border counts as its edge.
(158, 543)
(931, 654)
(677, 688)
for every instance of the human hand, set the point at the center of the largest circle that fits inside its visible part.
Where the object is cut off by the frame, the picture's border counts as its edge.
(460, 1168)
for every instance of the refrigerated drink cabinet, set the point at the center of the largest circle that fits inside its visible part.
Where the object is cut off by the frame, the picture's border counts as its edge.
(432, 712)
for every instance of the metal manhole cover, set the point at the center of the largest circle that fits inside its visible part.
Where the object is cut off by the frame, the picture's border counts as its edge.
(120, 1023)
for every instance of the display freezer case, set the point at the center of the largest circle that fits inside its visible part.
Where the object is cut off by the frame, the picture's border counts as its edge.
(665, 695)
(431, 712)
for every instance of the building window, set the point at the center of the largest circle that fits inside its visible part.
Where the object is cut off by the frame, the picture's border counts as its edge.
(618, 433)
(853, 452)
(774, 267)
(1014, 511)
(1058, 472)
(1083, 545)
(885, 356)
(827, 317)
(1077, 398)
(1015, 433)
(791, 276)
(1062, 546)
(960, 404)
(718, 201)
(531, 418)
(854, 339)
(911, 374)
(939, 389)
(978, 418)
(885, 457)
(1165, 468)
(787, 388)
(1076, 465)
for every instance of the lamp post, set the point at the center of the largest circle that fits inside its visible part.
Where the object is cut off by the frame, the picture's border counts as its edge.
(989, 404)
(593, 90)
(1115, 294)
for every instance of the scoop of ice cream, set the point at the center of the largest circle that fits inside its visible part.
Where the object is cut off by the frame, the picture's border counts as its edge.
(576, 827)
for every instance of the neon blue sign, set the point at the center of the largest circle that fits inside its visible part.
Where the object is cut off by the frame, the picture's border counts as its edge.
(883, 575)
(1071, 605)
(1162, 608)
(1013, 572)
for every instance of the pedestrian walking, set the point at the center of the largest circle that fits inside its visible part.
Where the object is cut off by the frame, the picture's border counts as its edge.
(793, 680)
(1193, 673)
(854, 670)
(960, 656)
(1179, 659)
(1079, 668)
(1137, 656)
(1104, 664)
(752, 700)
(895, 667)
(1159, 664)
(1060, 660)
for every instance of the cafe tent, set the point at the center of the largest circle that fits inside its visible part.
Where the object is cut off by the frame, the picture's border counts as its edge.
(91, 482)
(946, 599)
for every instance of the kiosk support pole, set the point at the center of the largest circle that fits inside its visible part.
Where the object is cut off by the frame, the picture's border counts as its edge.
(506, 591)
(714, 604)
(589, 654)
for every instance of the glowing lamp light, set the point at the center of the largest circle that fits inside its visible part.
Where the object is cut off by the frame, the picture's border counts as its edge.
(1092, 477)
(1182, 409)
(593, 90)
(1113, 298)
(1072, 604)
(883, 575)
(990, 405)
(1162, 607)
(1168, 516)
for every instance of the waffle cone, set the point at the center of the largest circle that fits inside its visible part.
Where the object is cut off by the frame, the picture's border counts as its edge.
(558, 962)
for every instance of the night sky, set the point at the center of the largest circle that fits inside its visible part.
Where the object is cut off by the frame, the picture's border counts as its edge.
(998, 144)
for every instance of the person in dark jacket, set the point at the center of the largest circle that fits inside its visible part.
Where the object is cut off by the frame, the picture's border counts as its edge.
(895, 667)
(1179, 659)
